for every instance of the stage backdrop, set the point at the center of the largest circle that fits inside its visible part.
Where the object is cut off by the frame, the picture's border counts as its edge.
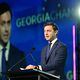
(27, 28)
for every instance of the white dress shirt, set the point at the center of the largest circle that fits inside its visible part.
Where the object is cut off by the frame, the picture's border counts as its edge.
(6, 54)
(52, 43)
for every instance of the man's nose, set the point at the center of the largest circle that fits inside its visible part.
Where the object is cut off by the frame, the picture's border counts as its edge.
(6, 27)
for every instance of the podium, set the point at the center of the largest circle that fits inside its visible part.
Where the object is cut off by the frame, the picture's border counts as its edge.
(31, 75)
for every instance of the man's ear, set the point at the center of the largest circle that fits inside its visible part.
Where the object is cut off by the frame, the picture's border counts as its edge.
(56, 32)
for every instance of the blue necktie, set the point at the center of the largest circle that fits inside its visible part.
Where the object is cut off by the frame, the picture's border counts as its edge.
(3, 64)
(48, 51)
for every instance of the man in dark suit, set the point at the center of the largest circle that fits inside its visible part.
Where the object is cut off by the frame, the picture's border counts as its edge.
(12, 54)
(53, 56)
(53, 60)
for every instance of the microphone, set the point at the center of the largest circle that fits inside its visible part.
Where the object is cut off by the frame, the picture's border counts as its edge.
(23, 59)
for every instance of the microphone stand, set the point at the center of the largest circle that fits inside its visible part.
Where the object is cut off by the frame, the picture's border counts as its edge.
(23, 59)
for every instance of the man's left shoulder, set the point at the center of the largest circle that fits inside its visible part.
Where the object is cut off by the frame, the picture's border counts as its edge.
(61, 44)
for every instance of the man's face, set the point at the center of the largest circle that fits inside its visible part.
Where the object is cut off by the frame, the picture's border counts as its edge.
(49, 33)
(5, 26)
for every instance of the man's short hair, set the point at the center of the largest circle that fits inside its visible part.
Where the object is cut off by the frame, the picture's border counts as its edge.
(55, 27)
(4, 7)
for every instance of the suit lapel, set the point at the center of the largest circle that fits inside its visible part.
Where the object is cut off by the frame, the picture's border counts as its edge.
(52, 50)
(10, 57)
(10, 53)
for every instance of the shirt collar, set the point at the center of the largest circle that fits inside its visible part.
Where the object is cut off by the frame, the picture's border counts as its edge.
(7, 46)
(53, 41)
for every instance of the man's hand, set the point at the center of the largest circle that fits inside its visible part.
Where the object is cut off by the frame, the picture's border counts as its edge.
(31, 67)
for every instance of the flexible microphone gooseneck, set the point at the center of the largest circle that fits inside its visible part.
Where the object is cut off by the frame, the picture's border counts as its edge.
(33, 58)
(23, 59)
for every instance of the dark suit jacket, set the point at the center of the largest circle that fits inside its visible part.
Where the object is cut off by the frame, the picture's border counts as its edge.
(15, 55)
(16, 60)
(56, 60)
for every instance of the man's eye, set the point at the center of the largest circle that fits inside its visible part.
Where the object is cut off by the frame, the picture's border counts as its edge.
(8, 22)
(2, 24)
(49, 30)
